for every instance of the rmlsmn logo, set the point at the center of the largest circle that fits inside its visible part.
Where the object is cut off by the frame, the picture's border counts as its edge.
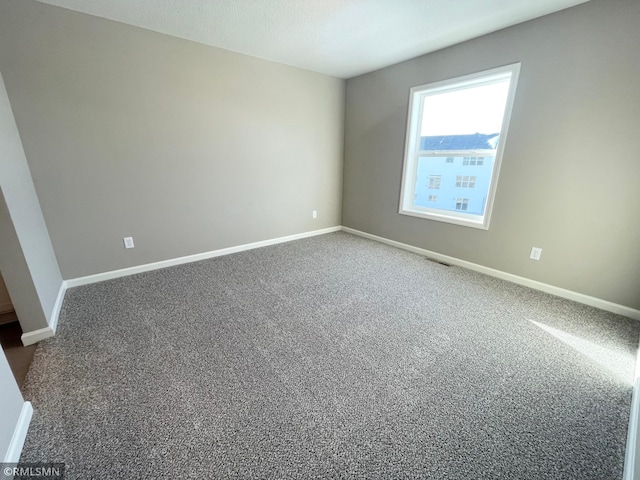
(39, 471)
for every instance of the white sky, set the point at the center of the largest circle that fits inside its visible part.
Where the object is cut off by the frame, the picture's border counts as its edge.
(462, 112)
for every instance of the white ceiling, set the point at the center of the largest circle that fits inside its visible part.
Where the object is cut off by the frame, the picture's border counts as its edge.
(343, 38)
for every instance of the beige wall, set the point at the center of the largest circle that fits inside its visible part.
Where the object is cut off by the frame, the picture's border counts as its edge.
(31, 312)
(190, 148)
(5, 299)
(11, 405)
(569, 180)
(27, 259)
(185, 147)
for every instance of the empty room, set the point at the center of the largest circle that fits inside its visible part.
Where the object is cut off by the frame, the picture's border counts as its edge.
(320, 239)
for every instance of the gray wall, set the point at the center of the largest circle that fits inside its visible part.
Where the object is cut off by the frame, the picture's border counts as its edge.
(185, 147)
(27, 259)
(5, 299)
(19, 281)
(569, 179)
(11, 404)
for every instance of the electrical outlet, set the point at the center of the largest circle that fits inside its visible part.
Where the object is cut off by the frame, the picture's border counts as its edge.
(535, 253)
(128, 242)
(314, 214)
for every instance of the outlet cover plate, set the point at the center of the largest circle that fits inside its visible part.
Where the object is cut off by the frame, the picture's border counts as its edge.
(535, 253)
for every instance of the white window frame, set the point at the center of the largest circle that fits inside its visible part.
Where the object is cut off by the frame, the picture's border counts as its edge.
(413, 153)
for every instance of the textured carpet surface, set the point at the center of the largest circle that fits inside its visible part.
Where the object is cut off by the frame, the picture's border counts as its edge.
(330, 357)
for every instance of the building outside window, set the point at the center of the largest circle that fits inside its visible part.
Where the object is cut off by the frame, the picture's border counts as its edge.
(462, 203)
(473, 161)
(465, 181)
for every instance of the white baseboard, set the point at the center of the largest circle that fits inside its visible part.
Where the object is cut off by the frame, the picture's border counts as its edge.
(35, 336)
(55, 314)
(631, 458)
(100, 277)
(544, 287)
(19, 434)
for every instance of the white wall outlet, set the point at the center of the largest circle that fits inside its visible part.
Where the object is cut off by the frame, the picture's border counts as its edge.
(314, 214)
(128, 242)
(535, 253)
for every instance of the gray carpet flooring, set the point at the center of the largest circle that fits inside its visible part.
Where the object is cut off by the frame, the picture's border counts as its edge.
(330, 357)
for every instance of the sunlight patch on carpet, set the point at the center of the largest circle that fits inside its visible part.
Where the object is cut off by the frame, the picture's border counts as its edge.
(615, 361)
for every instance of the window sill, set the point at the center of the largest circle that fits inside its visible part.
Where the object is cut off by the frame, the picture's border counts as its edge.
(464, 220)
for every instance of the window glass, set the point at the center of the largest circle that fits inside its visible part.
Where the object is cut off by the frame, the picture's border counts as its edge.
(455, 138)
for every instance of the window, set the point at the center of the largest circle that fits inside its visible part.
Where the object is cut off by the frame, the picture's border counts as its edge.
(465, 181)
(433, 198)
(479, 161)
(465, 118)
(434, 181)
(462, 203)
